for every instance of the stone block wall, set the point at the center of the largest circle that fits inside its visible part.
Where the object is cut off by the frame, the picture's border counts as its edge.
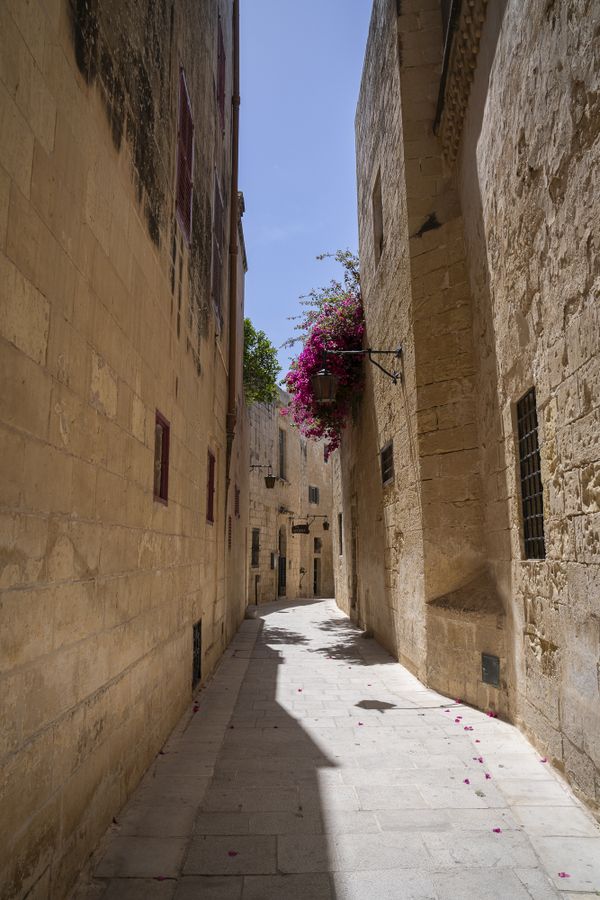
(106, 316)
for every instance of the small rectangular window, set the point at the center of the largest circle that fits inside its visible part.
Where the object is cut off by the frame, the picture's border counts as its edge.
(282, 454)
(255, 547)
(221, 76)
(210, 488)
(272, 560)
(185, 160)
(196, 652)
(340, 535)
(161, 458)
(387, 463)
(377, 209)
(532, 494)
(313, 494)
(318, 544)
(236, 505)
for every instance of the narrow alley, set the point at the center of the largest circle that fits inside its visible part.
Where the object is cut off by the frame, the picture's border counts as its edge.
(314, 766)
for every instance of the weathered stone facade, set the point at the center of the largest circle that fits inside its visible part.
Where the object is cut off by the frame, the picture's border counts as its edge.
(108, 315)
(487, 273)
(286, 564)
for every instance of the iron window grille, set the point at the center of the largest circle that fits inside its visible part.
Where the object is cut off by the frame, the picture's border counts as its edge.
(532, 494)
(236, 505)
(210, 488)
(387, 463)
(229, 532)
(313, 494)
(255, 554)
(197, 652)
(185, 160)
(161, 458)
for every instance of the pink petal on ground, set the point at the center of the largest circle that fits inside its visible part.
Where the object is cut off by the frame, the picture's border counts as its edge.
(468, 728)
(466, 781)
(457, 721)
(299, 690)
(497, 830)
(458, 700)
(544, 759)
(232, 853)
(477, 741)
(563, 875)
(480, 759)
(487, 776)
(361, 723)
(446, 710)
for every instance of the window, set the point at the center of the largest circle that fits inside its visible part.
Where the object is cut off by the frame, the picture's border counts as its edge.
(340, 535)
(196, 652)
(272, 560)
(532, 495)
(161, 458)
(318, 544)
(236, 503)
(313, 494)
(282, 459)
(221, 76)
(217, 252)
(377, 207)
(210, 488)
(229, 532)
(185, 160)
(255, 547)
(387, 463)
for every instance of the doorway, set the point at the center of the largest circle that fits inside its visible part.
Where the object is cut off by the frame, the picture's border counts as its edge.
(282, 563)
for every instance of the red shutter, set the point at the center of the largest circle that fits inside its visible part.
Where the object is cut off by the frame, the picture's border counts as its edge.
(185, 159)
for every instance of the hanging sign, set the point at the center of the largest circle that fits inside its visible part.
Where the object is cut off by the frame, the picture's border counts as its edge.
(301, 529)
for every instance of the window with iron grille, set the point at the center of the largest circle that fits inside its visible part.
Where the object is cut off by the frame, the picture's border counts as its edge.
(387, 463)
(229, 532)
(161, 458)
(210, 488)
(255, 547)
(236, 505)
(221, 76)
(313, 494)
(532, 495)
(282, 453)
(318, 544)
(196, 652)
(185, 160)
(217, 252)
(340, 535)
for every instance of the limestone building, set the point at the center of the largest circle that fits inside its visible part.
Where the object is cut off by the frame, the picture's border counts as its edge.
(282, 561)
(123, 484)
(468, 495)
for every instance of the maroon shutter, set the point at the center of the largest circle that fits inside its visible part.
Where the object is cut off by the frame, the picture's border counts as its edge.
(210, 489)
(185, 159)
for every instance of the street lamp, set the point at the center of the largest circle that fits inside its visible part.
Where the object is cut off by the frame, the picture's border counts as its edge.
(325, 384)
(269, 477)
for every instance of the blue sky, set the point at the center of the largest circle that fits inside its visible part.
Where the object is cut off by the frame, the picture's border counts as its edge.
(300, 73)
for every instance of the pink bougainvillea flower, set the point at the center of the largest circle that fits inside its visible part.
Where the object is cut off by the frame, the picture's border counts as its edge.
(466, 781)
(299, 690)
(477, 741)
(361, 723)
(487, 776)
(468, 728)
(232, 853)
(544, 759)
(497, 830)
(458, 700)
(492, 714)
(457, 721)
(563, 875)
(447, 710)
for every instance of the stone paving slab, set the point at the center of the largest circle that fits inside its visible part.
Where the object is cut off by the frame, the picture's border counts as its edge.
(317, 768)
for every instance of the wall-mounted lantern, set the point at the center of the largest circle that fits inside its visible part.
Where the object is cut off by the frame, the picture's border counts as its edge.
(325, 525)
(325, 384)
(269, 477)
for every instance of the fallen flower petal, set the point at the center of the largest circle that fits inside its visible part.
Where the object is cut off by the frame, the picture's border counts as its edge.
(361, 723)
(232, 853)
(544, 759)
(466, 781)
(487, 776)
(477, 741)
(468, 728)
(563, 875)
(497, 830)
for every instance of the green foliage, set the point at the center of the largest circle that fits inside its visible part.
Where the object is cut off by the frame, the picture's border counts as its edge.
(260, 366)
(318, 297)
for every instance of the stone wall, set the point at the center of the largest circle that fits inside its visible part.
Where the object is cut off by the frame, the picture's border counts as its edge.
(488, 275)
(106, 316)
(273, 511)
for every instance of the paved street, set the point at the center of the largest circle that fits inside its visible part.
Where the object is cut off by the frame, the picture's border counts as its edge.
(316, 767)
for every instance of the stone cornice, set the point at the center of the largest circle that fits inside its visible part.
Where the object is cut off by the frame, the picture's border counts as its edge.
(461, 65)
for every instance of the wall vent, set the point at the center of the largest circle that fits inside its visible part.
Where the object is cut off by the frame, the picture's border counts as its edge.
(490, 669)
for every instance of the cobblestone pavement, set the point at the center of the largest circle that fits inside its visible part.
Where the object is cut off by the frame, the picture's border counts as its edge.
(317, 767)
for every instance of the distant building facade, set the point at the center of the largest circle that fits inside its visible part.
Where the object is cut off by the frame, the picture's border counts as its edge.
(468, 496)
(124, 477)
(282, 561)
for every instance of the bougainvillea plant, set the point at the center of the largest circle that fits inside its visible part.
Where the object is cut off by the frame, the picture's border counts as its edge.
(334, 321)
